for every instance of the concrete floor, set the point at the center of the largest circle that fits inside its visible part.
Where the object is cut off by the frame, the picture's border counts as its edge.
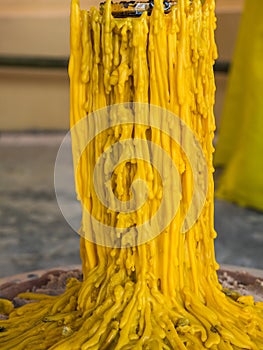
(35, 235)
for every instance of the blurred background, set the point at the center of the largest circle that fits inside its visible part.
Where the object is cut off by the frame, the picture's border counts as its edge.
(34, 118)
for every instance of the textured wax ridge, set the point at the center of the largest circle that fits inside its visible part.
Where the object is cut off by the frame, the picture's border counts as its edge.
(163, 294)
(164, 60)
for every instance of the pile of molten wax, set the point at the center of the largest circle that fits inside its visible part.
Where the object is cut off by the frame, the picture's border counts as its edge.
(163, 294)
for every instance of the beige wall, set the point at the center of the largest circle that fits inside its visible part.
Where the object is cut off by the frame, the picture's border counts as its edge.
(38, 99)
(228, 18)
(36, 27)
(33, 99)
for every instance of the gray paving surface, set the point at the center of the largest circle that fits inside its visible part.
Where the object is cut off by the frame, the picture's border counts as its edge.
(33, 232)
(35, 235)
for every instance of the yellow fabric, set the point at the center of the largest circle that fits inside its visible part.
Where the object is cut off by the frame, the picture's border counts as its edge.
(239, 148)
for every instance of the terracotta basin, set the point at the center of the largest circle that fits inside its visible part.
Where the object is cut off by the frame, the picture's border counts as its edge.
(245, 281)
